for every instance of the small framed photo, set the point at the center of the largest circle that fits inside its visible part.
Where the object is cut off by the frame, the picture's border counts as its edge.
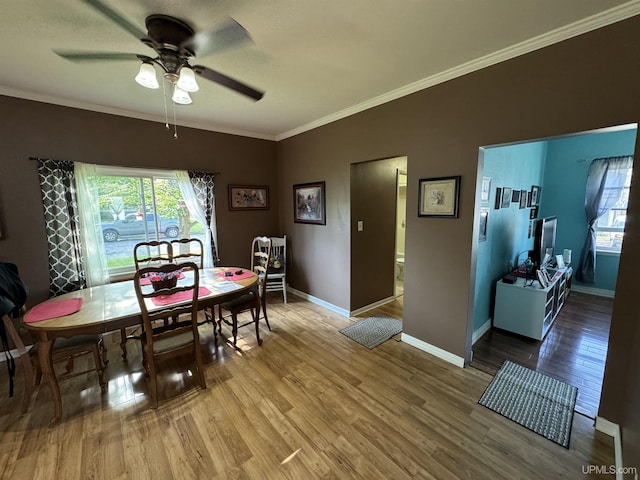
(533, 213)
(498, 198)
(486, 190)
(309, 203)
(484, 218)
(438, 197)
(534, 201)
(524, 198)
(248, 197)
(515, 196)
(506, 197)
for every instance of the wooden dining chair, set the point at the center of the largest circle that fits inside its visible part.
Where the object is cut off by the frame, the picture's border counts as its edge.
(278, 267)
(188, 250)
(64, 350)
(146, 254)
(180, 338)
(254, 300)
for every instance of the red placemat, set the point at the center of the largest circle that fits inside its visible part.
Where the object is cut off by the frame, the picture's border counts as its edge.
(244, 274)
(147, 280)
(58, 308)
(179, 297)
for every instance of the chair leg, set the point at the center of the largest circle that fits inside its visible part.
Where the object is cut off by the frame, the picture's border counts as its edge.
(256, 320)
(153, 380)
(234, 328)
(284, 290)
(123, 342)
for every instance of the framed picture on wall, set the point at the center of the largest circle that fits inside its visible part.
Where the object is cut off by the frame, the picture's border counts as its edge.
(533, 213)
(534, 201)
(515, 196)
(309, 203)
(484, 218)
(506, 197)
(438, 197)
(485, 191)
(498, 198)
(524, 198)
(248, 197)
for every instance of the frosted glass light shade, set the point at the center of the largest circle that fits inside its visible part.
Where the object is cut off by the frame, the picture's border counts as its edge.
(187, 80)
(180, 96)
(147, 76)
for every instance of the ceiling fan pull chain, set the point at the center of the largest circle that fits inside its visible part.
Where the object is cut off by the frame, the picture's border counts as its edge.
(166, 115)
(175, 125)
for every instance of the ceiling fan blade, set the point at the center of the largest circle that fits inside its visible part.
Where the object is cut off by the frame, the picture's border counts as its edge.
(117, 18)
(78, 56)
(228, 82)
(206, 43)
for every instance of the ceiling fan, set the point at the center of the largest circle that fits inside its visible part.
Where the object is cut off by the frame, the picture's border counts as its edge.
(174, 42)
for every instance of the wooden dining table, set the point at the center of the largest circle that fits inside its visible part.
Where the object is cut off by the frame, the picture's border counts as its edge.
(110, 307)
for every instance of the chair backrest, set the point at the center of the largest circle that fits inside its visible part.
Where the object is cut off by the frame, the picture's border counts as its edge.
(188, 249)
(278, 262)
(154, 306)
(153, 253)
(260, 256)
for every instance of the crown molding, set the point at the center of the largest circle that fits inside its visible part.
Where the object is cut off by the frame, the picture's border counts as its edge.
(608, 17)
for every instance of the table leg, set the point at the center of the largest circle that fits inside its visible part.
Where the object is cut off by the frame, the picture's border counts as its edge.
(46, 365)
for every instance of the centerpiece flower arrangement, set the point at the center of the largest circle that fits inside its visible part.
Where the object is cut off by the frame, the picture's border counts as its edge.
(160, 280)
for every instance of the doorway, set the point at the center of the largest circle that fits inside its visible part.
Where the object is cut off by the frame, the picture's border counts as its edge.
(546, 163)
(401, 225)
(374, 232)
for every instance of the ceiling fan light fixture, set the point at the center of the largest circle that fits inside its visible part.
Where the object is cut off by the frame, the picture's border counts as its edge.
(187, 80)
(147, 76)
(180, 96)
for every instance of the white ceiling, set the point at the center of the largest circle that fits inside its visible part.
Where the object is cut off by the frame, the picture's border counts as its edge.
(317, 60)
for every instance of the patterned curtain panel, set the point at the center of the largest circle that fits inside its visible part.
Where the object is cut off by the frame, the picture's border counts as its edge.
(203, 184)
(66, 268)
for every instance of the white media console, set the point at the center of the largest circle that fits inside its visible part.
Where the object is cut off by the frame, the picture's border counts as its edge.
(526, 308)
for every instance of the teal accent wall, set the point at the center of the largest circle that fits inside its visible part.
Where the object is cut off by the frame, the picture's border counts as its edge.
(517, 167)
(560, 168)
(565, 177)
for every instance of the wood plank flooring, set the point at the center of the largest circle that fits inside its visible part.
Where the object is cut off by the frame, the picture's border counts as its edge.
(307, 404)
(574, 350)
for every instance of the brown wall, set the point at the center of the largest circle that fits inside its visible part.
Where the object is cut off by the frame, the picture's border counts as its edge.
(47, 131)
(585, 83)
(373, 250)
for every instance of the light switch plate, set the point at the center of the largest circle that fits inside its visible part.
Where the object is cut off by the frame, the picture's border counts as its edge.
(360, 225)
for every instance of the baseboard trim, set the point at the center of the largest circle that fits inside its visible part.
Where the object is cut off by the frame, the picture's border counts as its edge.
(318, 301)
(433, 350)
(484, 328)
(600, 292)
(613, 430)
(371, 306)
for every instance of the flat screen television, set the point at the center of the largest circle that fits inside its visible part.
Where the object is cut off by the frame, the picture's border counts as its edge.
(544, 240)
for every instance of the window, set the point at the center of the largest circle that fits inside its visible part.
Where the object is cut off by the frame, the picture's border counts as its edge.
(139, 205)
(610, 226)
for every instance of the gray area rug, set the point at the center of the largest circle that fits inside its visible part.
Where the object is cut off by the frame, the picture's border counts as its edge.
(535, 401)
(373, 331)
